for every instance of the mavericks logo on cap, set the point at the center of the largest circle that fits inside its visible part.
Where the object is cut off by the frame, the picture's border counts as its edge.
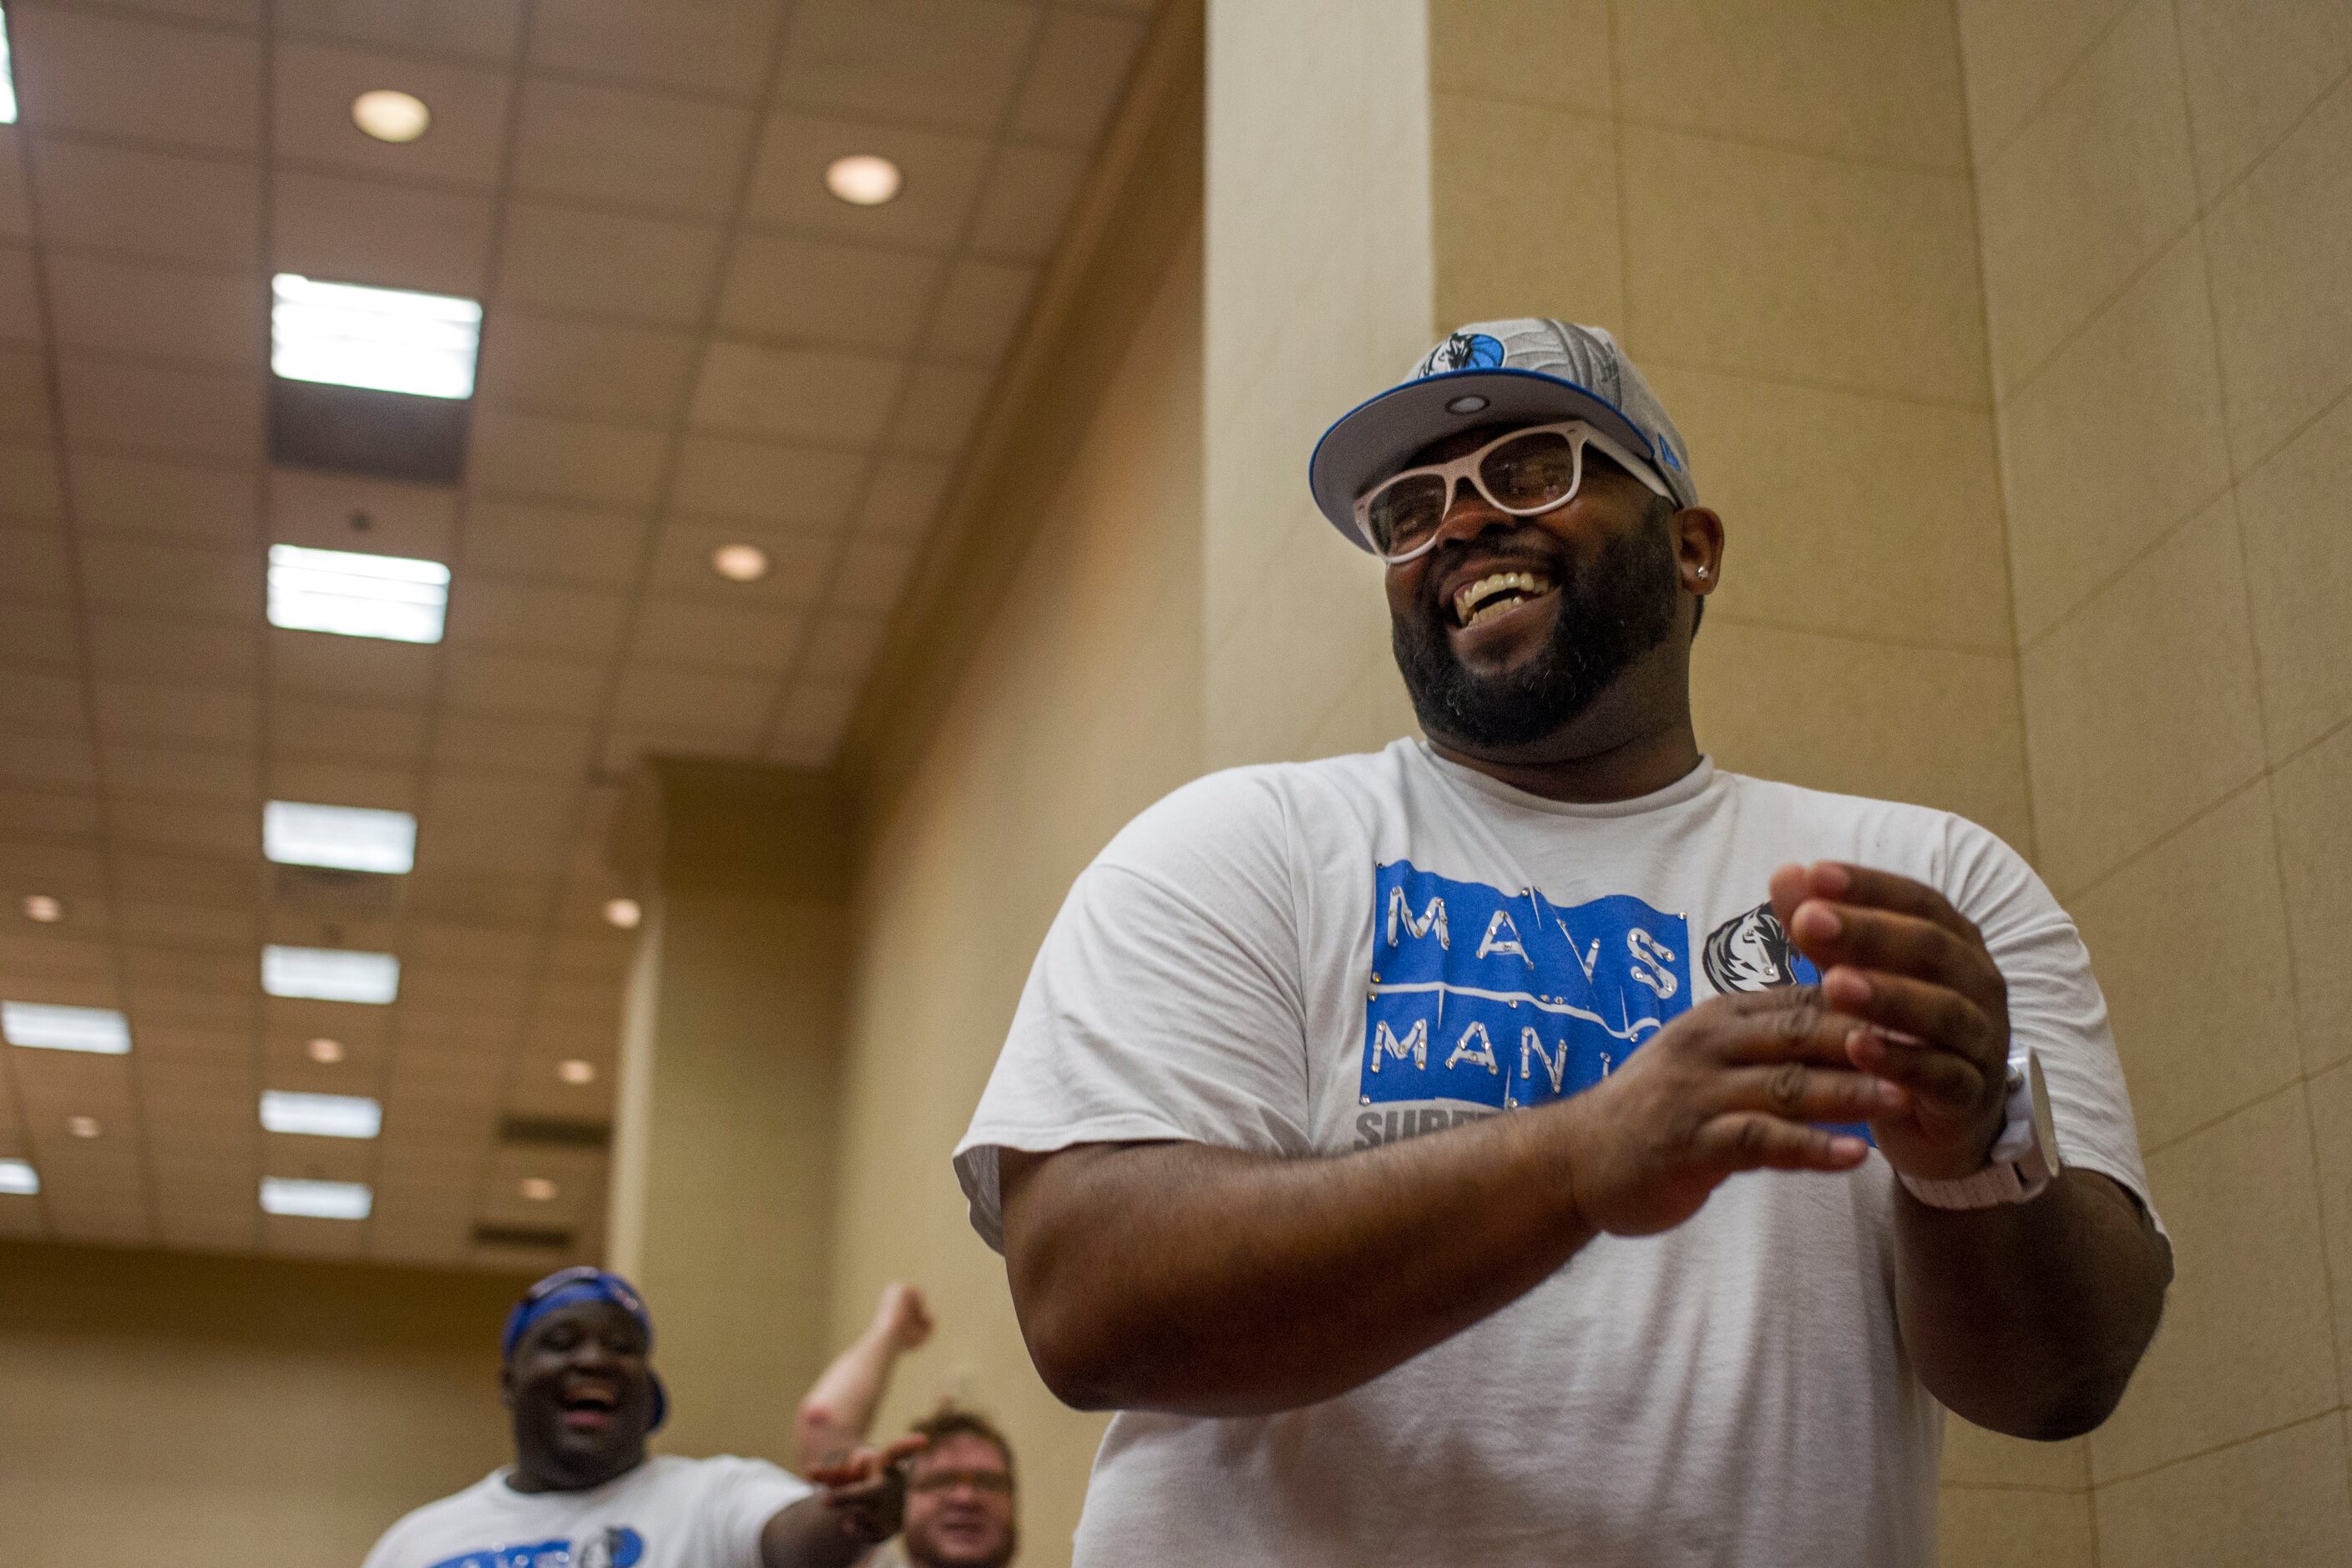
(1463, 350)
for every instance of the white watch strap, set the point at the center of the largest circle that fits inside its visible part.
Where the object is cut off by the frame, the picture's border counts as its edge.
(2024, 1157)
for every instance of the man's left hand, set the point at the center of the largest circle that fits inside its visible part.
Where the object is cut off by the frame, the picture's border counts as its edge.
(1930, 1005)
(867, 1492)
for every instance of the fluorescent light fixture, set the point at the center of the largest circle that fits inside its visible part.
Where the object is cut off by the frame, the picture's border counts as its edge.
(393, 598)
(329, 974)
(343, 838)
(100, 1029)
(7, 111)
(18, 1176)
(387, 339)
(321, 1115)
(316, 1200)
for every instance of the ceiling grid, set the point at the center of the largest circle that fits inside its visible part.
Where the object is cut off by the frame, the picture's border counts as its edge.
(688, 342)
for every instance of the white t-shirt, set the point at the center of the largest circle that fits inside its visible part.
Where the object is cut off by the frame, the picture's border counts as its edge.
(668, 1513)
(1315, 957)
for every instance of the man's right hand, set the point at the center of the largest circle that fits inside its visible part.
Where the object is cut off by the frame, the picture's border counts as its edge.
(1732, 1084)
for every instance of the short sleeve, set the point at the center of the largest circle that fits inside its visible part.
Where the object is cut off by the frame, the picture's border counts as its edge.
(1166, 1003)
(2054, 1004)
(742, 1496)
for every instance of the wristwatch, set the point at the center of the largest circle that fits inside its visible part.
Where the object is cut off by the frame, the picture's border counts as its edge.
(2024, 1157)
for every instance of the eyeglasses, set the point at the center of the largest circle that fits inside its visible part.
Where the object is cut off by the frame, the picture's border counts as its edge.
(991, 1481)
(1524, 473)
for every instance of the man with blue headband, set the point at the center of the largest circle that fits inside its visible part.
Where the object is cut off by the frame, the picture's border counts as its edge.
(578, 1376)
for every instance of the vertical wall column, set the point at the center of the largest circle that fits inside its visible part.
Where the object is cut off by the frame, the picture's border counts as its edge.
(722, 1188)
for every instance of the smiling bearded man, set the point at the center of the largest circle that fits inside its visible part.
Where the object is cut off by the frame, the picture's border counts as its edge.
(584, 1493)
(1533, 1144)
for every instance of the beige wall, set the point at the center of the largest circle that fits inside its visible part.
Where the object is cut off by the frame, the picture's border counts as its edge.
(2166, 191)
(1078, 704)
(235, 1412)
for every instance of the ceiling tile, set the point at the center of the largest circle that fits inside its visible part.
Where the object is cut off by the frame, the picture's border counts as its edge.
(626, 749)
(214, 716)
(355, 512)
(1081, 69)
(554, 544)
(33, 564)
(795, 394)
(148, 204)
(480, 29)
(531, 455)
(715, 46)
(61, 869)
(480, 682)
(31, 633)
(369, 231)
(344, 731)
(146, 495)
(25, 955)
(475, 946)
(47, 762)
(180, 971)
(289, 1236)
(343, 783)
(753, 640)
(25, 395)
(820, 291)
(30, 814)
(36, 702)
(179, 580)
(682, 565)
(809, 731)
(123, 77)
(368, 668)
(20, 310)
(175, 772)
(943, 172)
(203, 827)
(809, 489)
(594, 370)
(479, 824)
(511, 745)
(983, 309)
(654, 697)
(1028, 200)
(612, 146)
(950, 62)
(176, 650)
(194, 413)
(906, 496)
(210, 881)
(313, 86)
(28, 485)
(364, 1029)
(605, 264)
(841, 648)
(871, 573)
(188, 925)
(535, 617)
(942, 409)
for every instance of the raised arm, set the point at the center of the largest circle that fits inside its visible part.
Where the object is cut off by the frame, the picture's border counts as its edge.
(839, 1410)
(1181, 1277)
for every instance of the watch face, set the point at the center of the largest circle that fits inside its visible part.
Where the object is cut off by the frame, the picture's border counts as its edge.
(2045, 1131)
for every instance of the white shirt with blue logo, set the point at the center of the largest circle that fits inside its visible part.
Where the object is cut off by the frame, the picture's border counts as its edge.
(668, 1513)
(1322, 957)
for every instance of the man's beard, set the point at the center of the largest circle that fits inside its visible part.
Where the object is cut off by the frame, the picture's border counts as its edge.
(1606, 619)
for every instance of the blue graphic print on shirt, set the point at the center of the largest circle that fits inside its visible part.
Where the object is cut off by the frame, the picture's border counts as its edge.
(615, 1547)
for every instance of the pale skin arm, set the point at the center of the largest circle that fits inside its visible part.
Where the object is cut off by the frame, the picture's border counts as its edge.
(2029, 1318)
(1180, 1278)
(839, 1410)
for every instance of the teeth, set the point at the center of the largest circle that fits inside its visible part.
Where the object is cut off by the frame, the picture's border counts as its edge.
(1469, 606)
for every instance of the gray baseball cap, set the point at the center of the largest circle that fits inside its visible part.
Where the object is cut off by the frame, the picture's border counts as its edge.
(1524, 372)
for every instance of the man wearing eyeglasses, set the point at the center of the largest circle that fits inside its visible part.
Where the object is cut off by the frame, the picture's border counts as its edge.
(578, 1377)
(1531, 1144)
(960, 1498)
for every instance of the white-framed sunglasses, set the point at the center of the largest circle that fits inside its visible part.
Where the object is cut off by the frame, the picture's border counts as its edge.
(1524, 473)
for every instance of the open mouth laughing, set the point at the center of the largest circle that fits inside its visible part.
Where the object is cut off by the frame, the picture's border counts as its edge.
(1496, 594)
(591, 1407)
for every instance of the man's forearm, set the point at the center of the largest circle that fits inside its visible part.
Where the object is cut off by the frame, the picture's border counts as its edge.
(2029, 1318)
(811, 1534)
(1206, 1281)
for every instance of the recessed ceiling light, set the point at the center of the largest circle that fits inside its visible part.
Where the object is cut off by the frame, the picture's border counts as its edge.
(341, 837)
(8, 117)
(324, 1051)
(624, 912)
(83, 1126)
(538, 1189)
(316, 1200)
(42, 908)
(575, 1071)
(389, 114)
(740, 563)
(395, 597)
(321, 1115)
(386, 340)
(863, 180)
(100, 1029)
(329, 974)
(18, 1176)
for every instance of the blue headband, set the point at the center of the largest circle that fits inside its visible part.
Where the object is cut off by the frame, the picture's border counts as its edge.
(570, 1286)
